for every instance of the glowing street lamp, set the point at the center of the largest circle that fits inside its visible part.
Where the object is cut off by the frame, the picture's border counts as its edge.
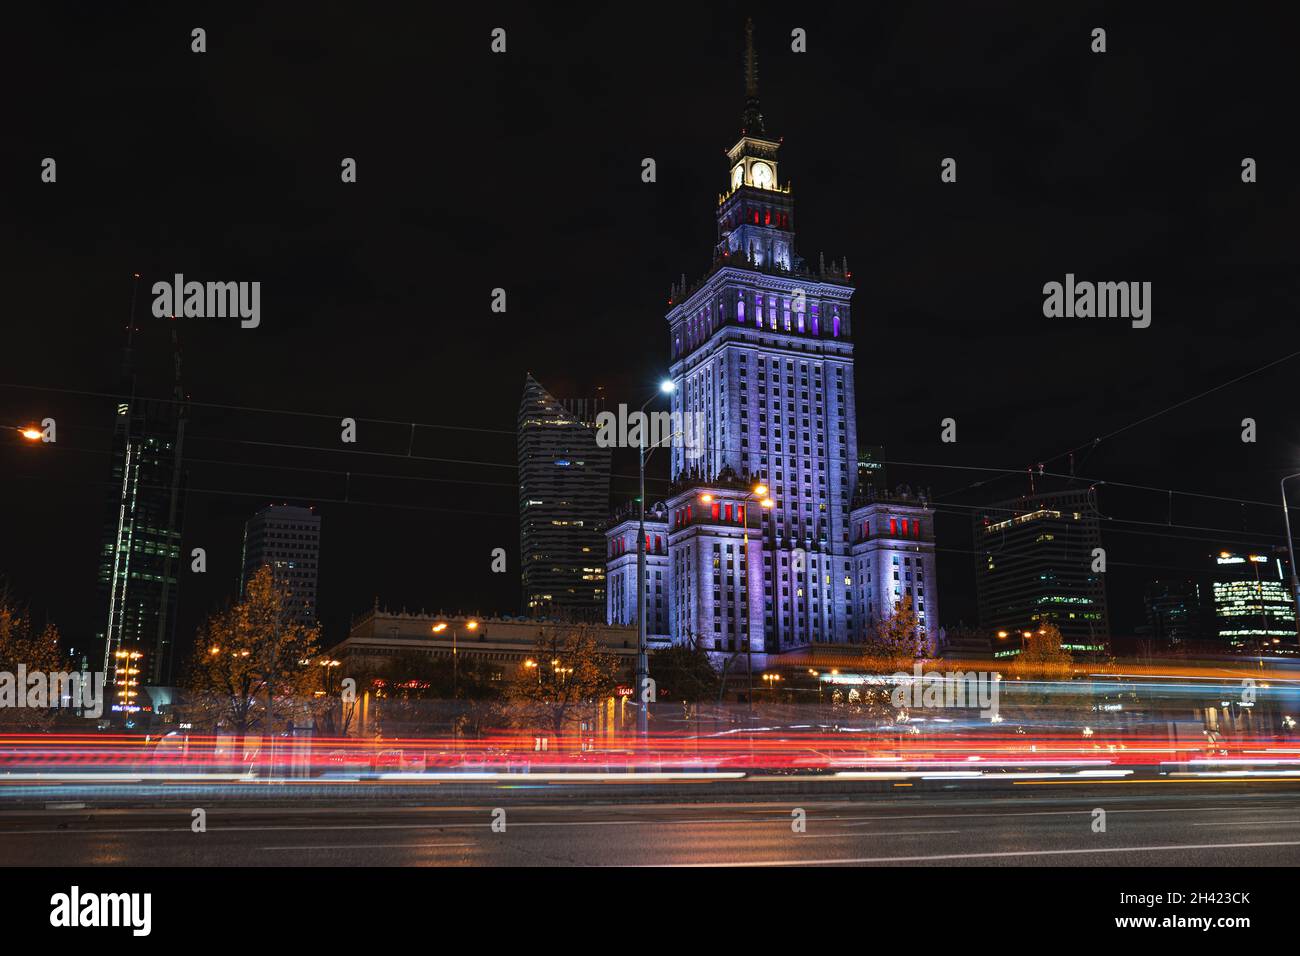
(666, 387)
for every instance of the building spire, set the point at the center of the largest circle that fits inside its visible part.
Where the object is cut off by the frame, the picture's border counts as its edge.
(752, 121)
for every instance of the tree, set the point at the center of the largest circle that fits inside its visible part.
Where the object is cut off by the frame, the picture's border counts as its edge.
(1042, 662)
(895, 644)
(569, 672)
(36, 651)
(420, 691)
(684, 672)
(1043, 658)
(246, 648)
(898, 641)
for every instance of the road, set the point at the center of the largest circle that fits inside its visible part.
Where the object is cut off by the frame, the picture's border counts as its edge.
(1241, 823)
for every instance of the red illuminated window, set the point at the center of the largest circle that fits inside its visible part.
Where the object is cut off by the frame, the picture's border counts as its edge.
(893, 526)
(727, 513)
(716, 506)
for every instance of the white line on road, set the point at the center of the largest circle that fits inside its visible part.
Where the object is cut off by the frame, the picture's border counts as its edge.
(841, 836)
(366, 846)
(987, 856)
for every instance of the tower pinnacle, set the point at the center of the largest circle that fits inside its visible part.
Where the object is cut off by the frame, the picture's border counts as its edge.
(752, 121)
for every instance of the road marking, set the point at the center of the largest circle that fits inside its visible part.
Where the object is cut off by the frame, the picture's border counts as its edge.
(366, 846)
(841, 836)
(1253, 823)
(843, 821)
(990, 856)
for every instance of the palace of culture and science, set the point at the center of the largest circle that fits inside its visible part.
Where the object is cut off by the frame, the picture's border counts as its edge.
(770, 533)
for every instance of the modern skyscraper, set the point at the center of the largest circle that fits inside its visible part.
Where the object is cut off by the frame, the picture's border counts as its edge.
(1175, 612)
(1254, 610)
(1035, 559)
(563, 503)
(762, 361)
(140, 559)
(288, 539)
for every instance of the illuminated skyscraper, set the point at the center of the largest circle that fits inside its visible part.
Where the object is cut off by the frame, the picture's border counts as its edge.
(1035, 566)
(563, 502)
(762, 361)
(140, 560)
(288, 539)
(1254, 610)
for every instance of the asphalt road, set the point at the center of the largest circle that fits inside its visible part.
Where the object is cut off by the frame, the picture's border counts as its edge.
(1185, 824)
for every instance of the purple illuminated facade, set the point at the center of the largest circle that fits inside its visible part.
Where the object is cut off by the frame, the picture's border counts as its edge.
(763, 361)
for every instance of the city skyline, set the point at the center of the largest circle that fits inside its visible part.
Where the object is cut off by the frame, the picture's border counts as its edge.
(918, 362)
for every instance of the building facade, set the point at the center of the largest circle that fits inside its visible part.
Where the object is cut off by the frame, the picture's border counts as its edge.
(380, 637)
(620, 575)
(892, 548)
(1254, 609)
(563, 504)
(1175, 615)
(760, 553)
(287, 538)
(1035, 558)
(140, 558)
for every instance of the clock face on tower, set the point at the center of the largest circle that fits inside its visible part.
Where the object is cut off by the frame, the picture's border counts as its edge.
(737, 177)
(761, 175)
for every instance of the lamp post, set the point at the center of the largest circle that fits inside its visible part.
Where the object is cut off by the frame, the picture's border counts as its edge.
(666, 387)
(470, 625)
(760, 495)
(1290, 547)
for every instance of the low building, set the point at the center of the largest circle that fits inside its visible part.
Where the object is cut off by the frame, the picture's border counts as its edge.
(620, 574)
(380, 636)
(892, 550)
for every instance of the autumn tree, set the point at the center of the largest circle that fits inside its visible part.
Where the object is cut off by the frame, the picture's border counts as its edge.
(251, 647)
(569, 673)
(1043, 657)
(21, 644)
(895, 643)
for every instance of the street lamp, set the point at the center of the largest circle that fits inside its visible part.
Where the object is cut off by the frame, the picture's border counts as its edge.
(666, 387)
(1290, 547)
(470, 625)
(759, 493)
(29, 432)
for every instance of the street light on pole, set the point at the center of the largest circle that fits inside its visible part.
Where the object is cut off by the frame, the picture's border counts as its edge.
(759, 493)
(1290, 547)
(666, 387)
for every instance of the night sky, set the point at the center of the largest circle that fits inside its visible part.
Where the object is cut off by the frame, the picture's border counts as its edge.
(522, 171)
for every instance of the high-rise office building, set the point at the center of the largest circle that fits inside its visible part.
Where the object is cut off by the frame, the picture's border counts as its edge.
(140, 558)
(563, 504)
(1254, 609)
(1175, 615)
(287, 538)
(762, 364)
(1035, 558)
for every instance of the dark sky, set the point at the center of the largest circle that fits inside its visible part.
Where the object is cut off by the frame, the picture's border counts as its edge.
(523, 171)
